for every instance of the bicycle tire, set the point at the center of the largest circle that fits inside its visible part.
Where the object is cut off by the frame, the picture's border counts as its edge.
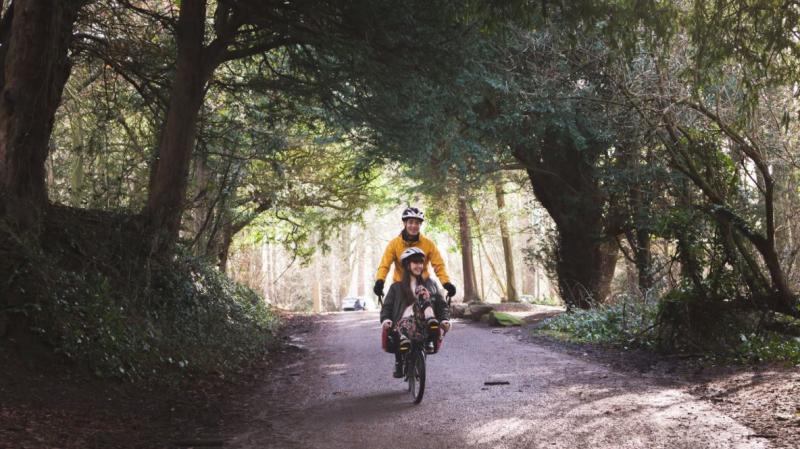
(416, 378)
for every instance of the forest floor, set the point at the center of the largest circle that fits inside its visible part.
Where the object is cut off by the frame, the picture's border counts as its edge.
(330, 386)
(764, 397)
(62, 407)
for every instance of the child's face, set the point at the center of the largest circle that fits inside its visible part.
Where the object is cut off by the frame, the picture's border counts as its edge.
(416, 268)
(412, 226)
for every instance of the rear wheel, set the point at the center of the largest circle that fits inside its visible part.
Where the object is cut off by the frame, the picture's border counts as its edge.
(416, 375)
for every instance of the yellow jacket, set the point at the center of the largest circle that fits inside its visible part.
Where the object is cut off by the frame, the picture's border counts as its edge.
(395, 249)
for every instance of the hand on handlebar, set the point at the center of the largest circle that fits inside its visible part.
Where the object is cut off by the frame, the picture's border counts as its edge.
(378, 288)
(451, 289)
(386, 324)
(445, 325)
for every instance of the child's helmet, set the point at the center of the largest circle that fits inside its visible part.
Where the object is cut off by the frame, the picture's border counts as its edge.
(412, 254)
(413, 212)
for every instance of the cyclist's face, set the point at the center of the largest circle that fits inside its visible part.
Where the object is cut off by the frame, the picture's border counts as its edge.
(416, 267)
(412, 226)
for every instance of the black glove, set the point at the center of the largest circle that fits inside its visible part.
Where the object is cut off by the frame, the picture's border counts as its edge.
(378, 289)
(451, 289)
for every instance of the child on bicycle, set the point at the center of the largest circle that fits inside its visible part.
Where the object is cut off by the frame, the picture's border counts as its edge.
(398, 308)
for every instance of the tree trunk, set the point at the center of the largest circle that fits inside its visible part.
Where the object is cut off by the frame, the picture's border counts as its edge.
(360, 263)
(265, 269)
(484, 256)
(169, 179)
(203, 212)
(35, 69)
(228, 231)
(316, 288)
(585, 265)
(467, 264)
(335, 276)
(346, 256)
(508, 251)
(563, 179)
(644, 259)
(273, 271)
(349, 252)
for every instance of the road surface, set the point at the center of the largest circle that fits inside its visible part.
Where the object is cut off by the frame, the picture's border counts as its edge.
(339, 393)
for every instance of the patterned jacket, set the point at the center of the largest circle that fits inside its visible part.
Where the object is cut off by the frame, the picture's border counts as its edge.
(393, 305)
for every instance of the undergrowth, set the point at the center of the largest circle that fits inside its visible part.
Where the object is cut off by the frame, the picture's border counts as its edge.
(193, 318)
(625, 323)
(739, 337)
(119, 315)
(768, 347)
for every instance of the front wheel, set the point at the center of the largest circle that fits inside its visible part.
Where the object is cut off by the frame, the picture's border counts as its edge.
(416, 375)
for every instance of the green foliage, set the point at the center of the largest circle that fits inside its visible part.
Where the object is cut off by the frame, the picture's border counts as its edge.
(120, 317)
(202, 317)
(662, 117)
(678, 322)
(542, 300)
(83, 321)
(626, 323)
(769, 346)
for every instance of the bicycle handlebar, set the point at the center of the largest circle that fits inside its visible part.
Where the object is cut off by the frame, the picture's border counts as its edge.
(380, 300)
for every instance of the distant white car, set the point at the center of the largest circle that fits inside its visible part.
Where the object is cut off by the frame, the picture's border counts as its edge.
(352, 304)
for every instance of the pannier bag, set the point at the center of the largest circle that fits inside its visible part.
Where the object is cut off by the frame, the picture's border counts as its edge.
(390, 340)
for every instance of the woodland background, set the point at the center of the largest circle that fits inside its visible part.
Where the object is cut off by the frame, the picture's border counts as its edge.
(635, 161)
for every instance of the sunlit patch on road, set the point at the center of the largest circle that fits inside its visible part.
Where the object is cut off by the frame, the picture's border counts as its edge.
(500, 429)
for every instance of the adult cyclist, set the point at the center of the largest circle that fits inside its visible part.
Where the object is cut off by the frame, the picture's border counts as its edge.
(410, 237)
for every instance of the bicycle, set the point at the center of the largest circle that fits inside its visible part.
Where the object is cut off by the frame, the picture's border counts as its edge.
(413, 361)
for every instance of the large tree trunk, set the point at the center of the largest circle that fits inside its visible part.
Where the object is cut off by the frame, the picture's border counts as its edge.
(35, 69)
(562, 174)
(585, 265)
(505, 236)
(169, 178)
(467, 264)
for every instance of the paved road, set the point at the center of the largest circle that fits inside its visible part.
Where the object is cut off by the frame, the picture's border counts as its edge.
(340, 394)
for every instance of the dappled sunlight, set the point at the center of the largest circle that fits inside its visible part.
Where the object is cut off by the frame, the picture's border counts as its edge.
(643, 417)
(335, 369)
(500, 429)
(335, 366)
